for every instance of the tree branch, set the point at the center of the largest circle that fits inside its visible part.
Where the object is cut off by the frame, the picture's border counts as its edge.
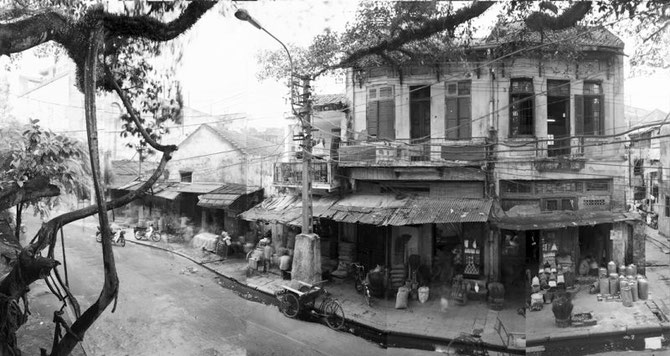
(540, 21)
(155, 30)
(11, 194)
(133, 115)
(427, 29)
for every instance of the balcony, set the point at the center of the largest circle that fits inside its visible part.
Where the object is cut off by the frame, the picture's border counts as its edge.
(433, 153)
(289, 174)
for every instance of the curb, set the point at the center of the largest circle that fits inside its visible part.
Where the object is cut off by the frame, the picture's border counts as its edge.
(386, 333)
(653, 329)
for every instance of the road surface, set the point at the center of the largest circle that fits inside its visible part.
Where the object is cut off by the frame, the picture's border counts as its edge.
(170, 306)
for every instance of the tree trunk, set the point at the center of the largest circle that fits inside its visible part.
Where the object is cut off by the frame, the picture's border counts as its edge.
(17, 229)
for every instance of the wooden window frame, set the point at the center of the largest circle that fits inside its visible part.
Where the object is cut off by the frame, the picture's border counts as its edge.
(457, 123)
(515, 99)
(374, 107)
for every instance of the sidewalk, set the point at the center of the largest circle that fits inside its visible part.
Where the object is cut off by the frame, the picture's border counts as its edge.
(419, 319)
(612, 319)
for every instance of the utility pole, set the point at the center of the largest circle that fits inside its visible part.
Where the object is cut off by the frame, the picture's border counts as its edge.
(306, 121)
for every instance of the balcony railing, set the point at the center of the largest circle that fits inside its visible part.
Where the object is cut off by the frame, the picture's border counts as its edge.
(290, 174)
(436, 152)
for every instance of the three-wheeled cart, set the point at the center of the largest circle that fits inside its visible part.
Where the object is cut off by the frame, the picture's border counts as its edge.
(294, 302)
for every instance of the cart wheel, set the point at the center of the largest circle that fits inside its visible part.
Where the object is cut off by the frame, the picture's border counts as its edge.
(289, 305)
(334, 314)
(122, 241)
(138, 235)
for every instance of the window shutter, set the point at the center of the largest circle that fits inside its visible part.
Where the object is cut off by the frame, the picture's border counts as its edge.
(601, 116)
(386, 120)
(372, 118)
(464, 118)
(579, 114)
(451, 118)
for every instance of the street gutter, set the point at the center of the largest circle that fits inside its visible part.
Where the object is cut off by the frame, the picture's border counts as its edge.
(381, 335)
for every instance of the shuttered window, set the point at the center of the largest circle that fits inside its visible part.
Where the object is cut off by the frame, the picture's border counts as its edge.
(522, 107)
(590, 110)
(380, 115)
(458, 113)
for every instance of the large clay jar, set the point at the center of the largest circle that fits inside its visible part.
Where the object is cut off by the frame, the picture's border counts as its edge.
(611, 267)
(643, 288)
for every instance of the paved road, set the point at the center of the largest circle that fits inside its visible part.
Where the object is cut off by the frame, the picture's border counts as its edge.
(167, 308)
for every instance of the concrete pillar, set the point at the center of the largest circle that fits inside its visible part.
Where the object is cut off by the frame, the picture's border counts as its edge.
(307, 258)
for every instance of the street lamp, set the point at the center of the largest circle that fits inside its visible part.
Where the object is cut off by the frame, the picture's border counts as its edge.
(243, 15)
(305, 118)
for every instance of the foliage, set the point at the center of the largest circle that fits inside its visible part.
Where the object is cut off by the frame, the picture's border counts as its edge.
(399, 33)
(32, 152)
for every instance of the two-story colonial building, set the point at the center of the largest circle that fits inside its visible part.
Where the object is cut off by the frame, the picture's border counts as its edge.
(431, 148)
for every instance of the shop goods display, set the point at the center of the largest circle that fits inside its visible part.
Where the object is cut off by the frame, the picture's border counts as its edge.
(604, 284)
(424, 294)
(626, 296)
(643, 288)
(632, 282)
(611, 267)
(401, 298)
(614, 283)
(536, 302)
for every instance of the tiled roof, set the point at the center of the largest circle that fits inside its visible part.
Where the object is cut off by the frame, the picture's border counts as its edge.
(578, 35)
(326, 99)
(249, 144)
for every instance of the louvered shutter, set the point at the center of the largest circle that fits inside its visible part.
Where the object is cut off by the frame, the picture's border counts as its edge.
(451, 118)
(579, 114)
(464, 119)
(372, 118)
(601, 117)
(386, 120)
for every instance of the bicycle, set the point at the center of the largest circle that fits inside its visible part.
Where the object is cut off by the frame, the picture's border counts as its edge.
(293, 302)
(171, 230)
(361, 283)
(468, 344)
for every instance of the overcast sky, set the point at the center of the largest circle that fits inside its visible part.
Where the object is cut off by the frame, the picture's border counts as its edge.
(219, 66)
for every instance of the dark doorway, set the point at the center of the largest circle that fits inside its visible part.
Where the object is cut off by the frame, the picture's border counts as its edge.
(558, 117)
(371, 246)
(419, 118)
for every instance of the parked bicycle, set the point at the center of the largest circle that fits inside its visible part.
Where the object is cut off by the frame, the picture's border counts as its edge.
(146, 233)
(172, 232)
(467, 344)
(361, 282)
(118, 237)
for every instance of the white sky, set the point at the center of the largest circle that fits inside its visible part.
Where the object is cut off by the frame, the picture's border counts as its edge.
(219, 66)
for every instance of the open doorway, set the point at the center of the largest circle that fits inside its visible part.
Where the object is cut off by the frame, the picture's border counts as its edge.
(558, 119)
(419, 118)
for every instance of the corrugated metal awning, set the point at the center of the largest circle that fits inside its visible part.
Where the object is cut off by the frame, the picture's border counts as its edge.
(373, 209)
(561, 219)
(425, 210)
(168, 194)
(286, 209)
(235, 197)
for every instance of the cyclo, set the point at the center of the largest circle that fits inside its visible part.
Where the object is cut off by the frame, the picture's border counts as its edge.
(294, 302)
